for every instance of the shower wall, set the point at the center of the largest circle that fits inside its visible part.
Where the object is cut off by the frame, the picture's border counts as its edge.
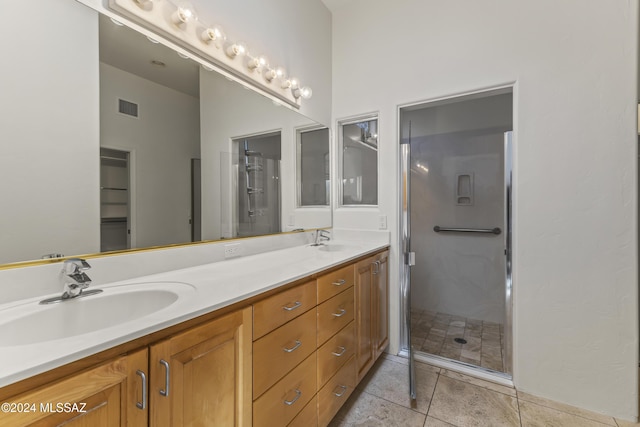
(458, 273)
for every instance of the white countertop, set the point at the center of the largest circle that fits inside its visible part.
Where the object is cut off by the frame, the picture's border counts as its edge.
(214, 286)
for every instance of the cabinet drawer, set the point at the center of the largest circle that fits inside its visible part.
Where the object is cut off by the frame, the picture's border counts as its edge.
(278, 309)
(277, 353)
(282, 402)
(333, 395)
(335, 282)
(334, 315)
(335, 352)
(308, 417)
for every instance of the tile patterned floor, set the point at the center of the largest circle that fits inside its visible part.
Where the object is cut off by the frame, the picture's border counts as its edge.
(450, 399)
(434, 333)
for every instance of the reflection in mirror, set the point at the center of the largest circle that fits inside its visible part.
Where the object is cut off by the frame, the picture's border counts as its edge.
(359, 162)
(313, 167)
(159, 173)
(259, 184)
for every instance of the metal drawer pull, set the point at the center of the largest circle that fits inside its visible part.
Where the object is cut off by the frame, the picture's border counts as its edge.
(340, 282)
(342, 313)
(293, 307)
(289, 350)
(377, 270)
(344, 390)
(165, 392)
(143, 404)
(292, 401)
(342, 351)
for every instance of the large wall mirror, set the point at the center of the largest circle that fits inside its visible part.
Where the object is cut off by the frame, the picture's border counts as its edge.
(159, 151)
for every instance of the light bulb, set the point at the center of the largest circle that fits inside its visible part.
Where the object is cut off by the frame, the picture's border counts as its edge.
(295, 83)
(304, 92)
(184, 13)
(257, 63)
(212, 34)
(235, 49)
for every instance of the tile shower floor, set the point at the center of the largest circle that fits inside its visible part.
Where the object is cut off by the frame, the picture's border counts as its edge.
(450, 399)
(435, 333)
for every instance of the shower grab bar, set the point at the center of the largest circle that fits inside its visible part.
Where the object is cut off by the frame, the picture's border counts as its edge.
(495, 230)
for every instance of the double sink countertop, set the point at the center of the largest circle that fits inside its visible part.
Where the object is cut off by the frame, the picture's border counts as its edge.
(192, 292)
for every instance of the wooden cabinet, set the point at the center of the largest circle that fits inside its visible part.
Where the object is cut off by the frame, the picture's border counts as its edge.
(372, 311)
(291, 358)
(104, 396)
(203, 376)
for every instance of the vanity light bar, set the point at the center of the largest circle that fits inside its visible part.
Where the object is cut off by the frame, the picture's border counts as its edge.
(179, 22)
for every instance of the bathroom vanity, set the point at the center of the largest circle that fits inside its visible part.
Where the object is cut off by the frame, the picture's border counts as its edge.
(280, 338)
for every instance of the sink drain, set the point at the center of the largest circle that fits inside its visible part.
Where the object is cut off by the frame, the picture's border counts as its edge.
(460, 340)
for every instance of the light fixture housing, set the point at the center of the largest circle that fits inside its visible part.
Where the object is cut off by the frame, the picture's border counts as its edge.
(302, 92)
(236, 49)
(144, 3)
(212, 35)
(257, 63)
(184, 13)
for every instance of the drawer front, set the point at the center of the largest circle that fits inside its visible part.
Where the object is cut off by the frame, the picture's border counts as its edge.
(308, 417)
(278, 309)
(282, 402)
(277, 353)
(335, 352)
(334, 315)
(335, 393)
(335, 282)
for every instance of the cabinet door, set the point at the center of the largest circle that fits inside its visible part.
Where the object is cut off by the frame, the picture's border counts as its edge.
(203, 376)
(381, 304)
(364, 344)
(104, 396)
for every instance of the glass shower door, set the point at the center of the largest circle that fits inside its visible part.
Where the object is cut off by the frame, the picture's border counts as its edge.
(455, 200)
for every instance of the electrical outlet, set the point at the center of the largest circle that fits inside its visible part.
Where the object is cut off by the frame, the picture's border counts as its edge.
(232, 250)
(292, 220)
(383, 222)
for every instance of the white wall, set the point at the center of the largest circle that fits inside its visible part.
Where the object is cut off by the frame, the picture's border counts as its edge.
(575, 254)
(163, 139)
(49, 142)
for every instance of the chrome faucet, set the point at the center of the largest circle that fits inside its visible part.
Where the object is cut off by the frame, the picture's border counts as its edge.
(74, 269)
(321, 236)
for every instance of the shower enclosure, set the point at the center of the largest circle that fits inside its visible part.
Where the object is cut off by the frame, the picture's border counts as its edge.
(455, 226)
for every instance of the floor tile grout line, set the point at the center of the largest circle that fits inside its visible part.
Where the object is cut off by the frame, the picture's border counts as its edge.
(433, 394)
(519, 411)
(393, 403)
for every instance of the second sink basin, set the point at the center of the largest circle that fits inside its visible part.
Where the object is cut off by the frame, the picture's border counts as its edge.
(34, 323)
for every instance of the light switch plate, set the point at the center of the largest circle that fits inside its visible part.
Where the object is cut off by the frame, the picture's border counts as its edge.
(383, 222)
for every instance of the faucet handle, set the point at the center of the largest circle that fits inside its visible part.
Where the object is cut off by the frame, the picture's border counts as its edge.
(75, 266)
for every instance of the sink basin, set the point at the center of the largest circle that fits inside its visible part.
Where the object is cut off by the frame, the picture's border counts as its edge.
(34, 323)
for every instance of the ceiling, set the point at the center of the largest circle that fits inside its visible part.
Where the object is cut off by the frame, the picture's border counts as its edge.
(128, 50)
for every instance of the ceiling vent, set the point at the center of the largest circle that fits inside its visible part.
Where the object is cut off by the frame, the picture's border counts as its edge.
(128, 108)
